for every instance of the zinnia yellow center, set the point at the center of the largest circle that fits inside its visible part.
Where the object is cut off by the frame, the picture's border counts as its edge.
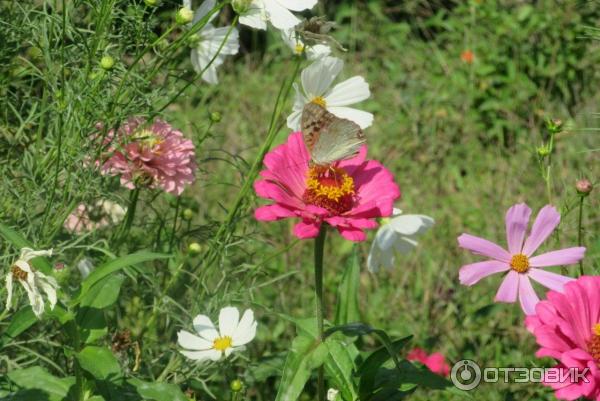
(19, 273)
(330, 188)
(320, 100)
(519, 263)
(147, 138)
(222, 343)
(594, 343)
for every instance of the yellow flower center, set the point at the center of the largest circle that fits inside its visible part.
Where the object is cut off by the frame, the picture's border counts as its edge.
(320, 100)
(222, 343)
(330, 188)
(519, 263)
(299, 48)
(594, 343)
(19, 273)
(147, 138)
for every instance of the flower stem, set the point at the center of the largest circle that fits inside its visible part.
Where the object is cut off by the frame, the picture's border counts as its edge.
(319, 245)
(133, 199)
(580, 233)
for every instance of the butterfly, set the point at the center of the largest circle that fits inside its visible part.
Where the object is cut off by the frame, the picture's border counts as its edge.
(329, 138)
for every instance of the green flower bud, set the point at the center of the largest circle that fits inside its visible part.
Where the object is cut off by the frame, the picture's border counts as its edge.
(543, 151)
(184, 16)
(194, 248)
(107, 62)
(554, 126)
(193, 40)
(215, 117)
(236, 385)
(151, 3)
(188, 214)
(34, 53)
(241, 6)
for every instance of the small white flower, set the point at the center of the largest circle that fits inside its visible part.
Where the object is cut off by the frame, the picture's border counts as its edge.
(31, 280)
(298, 47)
(209, 43)
(211, 344)
(399, 234)
(85, 267)
(258, 12)
(332, 394)
(112, 210)
(316, 81)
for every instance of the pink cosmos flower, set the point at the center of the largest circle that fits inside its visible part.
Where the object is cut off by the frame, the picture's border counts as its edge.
(567, 328)
(434, 362)
(518, 261)
(157, 156)
(347, 195)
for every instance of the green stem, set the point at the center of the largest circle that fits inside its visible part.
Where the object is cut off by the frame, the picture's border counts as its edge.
(174, 229)
(580, 232)
(319, 245)
(128, 221)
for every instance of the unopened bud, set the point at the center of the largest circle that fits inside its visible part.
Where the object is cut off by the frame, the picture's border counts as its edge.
(241, 6)
(543, 151)
(215, 116)
(555, 125)
(107, 62)
(236, 385)
(584, 187)
(188, 214)
(151, 3)
(194, 248)
(193, 40)
(184, 16)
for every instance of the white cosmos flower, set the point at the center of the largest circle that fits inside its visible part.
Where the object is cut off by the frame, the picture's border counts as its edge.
(210, 343)
(316, 81)
(209, 43)
(32, 281)
(278, 12)
(399, 234)
(298, 47)
(332, 394)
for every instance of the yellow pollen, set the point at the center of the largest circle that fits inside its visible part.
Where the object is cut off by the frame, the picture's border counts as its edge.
(320, 101)
(332, 192)
(19, 273)
(596, 329)
(519, 263)
(147, 138)
(299, 48)
(222, 343)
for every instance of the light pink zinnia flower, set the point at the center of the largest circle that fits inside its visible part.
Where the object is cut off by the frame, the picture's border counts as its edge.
(157, 156)
(435, 362)
(347, 195)
(88, 218)
(567, 328)
(519, 263)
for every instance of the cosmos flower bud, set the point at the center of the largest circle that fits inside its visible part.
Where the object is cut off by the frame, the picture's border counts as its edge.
(584, 187)
(543, 151)
(184, 16)
(215, 117)
(151, 3)
(194, 248)
(554, 125)
(236, 385)
(188, 214)
(193, 40)
(107, 62)
(241, 6)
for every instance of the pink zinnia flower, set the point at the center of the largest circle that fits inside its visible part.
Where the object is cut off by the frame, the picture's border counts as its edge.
(434, 362)
(567, 328)
(347, 195)
(157, 156)
(519, 263)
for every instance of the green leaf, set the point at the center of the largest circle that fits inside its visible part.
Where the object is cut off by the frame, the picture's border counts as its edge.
(91, 324)
(36, 378)
(99, 362)
(115, 265)
(347, 309)
(158, 391)
(104, 293)
(305, 355)
(20, 321)
(19, 242)
(339, 366)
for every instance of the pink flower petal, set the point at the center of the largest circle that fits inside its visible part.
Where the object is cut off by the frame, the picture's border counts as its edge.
(272, 212)
(480, 246)
(307, 229)
(550, 280)
(566, 256)
(545, 222)
(352, 234)
(472, 273)
(527, 296)
(517, 220)
(509, 288)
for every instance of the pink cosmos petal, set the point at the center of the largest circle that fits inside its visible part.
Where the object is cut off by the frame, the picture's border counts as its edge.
(566, 256)
(545, 222)
(550, 280)
(509, 288)
(472, 273)
(480, 246)
(527, 296)
(307, 229)
(517, 220)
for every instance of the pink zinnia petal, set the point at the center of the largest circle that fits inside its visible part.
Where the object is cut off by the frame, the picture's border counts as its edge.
(307, 229)
(480, 246)
(472, 273)
(509, 288)
(550, 280)
(517, 220)
(566, 256)
(545, 222)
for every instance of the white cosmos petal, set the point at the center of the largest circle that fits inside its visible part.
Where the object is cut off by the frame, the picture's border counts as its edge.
(255, 17)
(280, 17)
(218, 35)
(318, 77)
(246, 329)
(210, 75)
(9, 290)
(35, 298)
(317, 51)
(350, 91)
(49, 285)
(193, 342)
(187, 4)
(229, 318)
(205, 328)
(411, 224)
(27, 254)
(373, 258)
(385, 237)
(362, 118)
(204, 9)
(293, 120)
(211, 354)
(297, 5)
(405, 244)
(24, 266)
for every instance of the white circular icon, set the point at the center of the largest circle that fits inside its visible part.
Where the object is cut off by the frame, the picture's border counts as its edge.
(465, 375)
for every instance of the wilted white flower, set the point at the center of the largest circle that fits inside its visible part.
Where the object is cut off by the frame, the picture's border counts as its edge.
(332, 394)
(85, 267)
(256, 13)
(298, 47)
(232, 335)
(209, 42)
(32, 281)
(316, 81)
(398, 234)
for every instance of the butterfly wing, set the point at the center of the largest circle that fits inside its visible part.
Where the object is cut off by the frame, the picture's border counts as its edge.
(329, 138)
